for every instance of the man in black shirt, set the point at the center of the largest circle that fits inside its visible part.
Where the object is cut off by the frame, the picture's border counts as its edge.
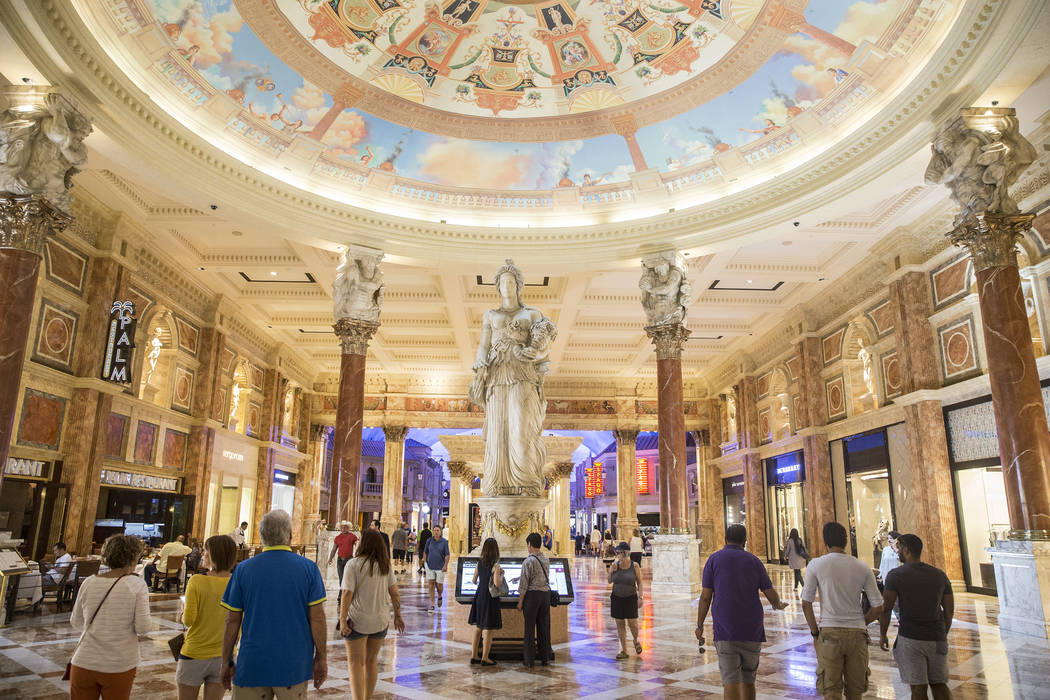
(926, 607)
(424, 535)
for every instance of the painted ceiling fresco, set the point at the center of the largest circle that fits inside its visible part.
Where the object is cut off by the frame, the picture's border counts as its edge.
(552, 57)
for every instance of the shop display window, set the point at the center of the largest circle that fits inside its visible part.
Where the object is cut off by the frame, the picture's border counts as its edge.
(785, 501)
(868, 495)
(733, 493)
(983, 519)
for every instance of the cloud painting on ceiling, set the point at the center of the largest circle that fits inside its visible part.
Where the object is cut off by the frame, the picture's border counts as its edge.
(549, 58)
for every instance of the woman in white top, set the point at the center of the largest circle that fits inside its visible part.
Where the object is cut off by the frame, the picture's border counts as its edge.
(637, 547)
(107, 655)
(368, 589)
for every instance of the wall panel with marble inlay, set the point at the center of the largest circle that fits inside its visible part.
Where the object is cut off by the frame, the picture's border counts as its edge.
(958, 349)
(56, 334)
(41, 421)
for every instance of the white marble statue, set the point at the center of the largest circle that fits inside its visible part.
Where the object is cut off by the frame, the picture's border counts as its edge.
(731, 418)
(978, 155)
(864, 355)
(42, 148)
(511, 362)
(359, 285)
(665, 289)
(235, 402)
(154, 354)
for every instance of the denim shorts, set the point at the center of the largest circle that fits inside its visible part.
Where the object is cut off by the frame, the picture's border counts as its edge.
(354, 634)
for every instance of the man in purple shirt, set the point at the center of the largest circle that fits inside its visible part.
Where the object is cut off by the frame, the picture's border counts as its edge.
(732, 579)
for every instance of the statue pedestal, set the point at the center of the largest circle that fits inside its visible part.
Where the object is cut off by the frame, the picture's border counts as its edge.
(509, 519)
(676, 564)
(513, 630)
(1022, 577)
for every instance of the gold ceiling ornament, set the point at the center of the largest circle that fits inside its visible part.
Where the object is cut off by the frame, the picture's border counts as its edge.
(668, 339)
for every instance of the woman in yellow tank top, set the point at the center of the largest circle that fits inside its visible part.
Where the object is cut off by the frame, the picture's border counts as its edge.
(200, 661)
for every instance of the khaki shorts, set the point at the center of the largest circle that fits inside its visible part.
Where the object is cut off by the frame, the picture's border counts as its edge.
(842, 662)
(738, 661)
(436, 575)
(921, 662)
(295, 692)
(195, 672)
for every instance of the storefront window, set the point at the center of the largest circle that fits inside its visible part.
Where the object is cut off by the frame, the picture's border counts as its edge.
(868, 495)
(733, 492)
(283, 491)
(785, 501)
(984, 519)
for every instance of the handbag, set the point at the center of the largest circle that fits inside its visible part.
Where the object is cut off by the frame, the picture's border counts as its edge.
(502, 589)
(175, 644)
(69, 664)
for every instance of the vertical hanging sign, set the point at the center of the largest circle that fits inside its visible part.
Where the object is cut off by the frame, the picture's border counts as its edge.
(120, 340)
(642, 475)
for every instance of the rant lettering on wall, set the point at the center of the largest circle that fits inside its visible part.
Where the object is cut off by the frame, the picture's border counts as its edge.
(120, 341)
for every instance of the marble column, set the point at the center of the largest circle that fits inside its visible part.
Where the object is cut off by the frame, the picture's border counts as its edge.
(668, 340)
(349, 415)
(626, 126)
(393, 476)
(811, 421)
(748, 436)
(1024, 441)
(626, 486)
(43, 136)
(458, 521)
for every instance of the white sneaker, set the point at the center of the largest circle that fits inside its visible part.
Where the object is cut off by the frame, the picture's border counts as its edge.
(430, 608)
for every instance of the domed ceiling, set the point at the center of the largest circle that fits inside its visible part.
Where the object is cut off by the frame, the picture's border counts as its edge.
(524, 95)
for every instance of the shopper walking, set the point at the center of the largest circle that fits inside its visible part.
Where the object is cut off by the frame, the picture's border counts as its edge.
(797, 556)
(637, 547)
(369, 590)
(200, 661)
(485, 613)
(926, 608)
(596, 541)
(732, 580)
(841, 639)
(386, 537)
(424, 535)
(534, 601)
(111, 611)
(436, 555)
(399, 545)
(627, 594)
(343, 545)
(275, 603)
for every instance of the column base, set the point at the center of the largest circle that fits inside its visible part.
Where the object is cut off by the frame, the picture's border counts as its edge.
(1022, 577)
(676, 564)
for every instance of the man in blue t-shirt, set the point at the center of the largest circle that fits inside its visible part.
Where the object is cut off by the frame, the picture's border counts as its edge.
(275, 603)
(731, 582)
(435, 560)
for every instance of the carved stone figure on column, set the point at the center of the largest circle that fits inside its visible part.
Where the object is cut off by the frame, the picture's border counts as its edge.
(511, 361)
(42, 148)
(864, 355)
(665, 289)
(978, 155)
(359, 285)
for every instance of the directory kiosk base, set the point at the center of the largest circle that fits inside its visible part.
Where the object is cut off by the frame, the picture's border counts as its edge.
(507, 642)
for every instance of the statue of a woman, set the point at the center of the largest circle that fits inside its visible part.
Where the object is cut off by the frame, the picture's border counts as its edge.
(508, 383)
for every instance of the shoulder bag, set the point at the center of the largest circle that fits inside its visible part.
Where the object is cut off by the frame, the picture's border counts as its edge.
(69, 664)
(503, 588)
(555, 596)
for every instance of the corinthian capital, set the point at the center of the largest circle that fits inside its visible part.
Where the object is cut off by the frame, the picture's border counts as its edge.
(358, 288)
(395, 433)
(41, 145)
(26, 221)
(354, 335)
(626, 435)
(991, 240)
(460, 470)
(668, 339)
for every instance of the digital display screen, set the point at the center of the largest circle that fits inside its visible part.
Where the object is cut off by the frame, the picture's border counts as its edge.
(560, 577)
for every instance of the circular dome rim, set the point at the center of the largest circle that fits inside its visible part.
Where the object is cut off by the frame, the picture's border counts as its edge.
(332, 78)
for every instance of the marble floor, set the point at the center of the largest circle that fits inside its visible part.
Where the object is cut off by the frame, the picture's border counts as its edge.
(427, 663)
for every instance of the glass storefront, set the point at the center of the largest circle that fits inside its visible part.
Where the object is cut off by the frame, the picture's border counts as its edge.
(283, 496)
(868, 495)
(785, 501)
(733, 494)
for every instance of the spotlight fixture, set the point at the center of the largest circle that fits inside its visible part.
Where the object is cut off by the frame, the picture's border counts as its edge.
(273, 273)
(213, 207)
(796, 224)
(201, 268)
(27, 81)
(995, 103)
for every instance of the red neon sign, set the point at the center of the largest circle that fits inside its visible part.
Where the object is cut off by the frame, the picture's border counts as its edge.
(642, 475)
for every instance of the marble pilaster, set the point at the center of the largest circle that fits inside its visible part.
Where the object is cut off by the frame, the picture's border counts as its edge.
(346, 473)
(626, 488)
(558, 496)
(457, 524)
(754, 475)
(393, 476)
(820, 501)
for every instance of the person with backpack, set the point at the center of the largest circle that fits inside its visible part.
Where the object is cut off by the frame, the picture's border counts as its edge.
(797, 556)
(534, 602)
(485, 613)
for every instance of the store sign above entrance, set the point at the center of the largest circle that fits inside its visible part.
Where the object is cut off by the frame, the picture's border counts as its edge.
(148, 482)
(785, 469)
(27, 468)
(120, 341)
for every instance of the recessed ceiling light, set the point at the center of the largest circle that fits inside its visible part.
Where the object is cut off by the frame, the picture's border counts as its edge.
(201, 269)
(749, 281)
(273, 273)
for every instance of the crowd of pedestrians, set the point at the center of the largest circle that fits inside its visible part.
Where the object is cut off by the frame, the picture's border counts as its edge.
(275, 599)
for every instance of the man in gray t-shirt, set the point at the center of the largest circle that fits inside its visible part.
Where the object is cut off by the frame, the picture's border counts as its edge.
(399, 545)
(841, 639)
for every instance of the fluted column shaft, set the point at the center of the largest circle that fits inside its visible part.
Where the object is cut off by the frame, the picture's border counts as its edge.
(626, 488)
(349, 416)
(393, 476)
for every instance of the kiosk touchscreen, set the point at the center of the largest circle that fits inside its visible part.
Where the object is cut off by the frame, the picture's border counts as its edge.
(560, 578)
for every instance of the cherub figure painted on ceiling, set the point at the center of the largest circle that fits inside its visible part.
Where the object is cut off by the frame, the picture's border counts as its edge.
(359, 285)
(665, 288)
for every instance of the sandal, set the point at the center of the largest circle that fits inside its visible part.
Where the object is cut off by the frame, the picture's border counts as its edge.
(622, 655)
(488, 663)
(474, 661)
(637, 647)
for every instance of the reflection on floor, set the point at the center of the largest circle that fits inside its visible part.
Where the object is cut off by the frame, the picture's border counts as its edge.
(427, 663)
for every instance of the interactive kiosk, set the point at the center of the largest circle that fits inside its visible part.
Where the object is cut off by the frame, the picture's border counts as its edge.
(507, 642)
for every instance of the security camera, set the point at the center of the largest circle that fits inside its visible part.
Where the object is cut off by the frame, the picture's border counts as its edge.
(795, 224)
(216, 206)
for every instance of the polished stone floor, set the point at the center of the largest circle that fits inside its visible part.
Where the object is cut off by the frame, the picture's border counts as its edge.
(427, 663)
